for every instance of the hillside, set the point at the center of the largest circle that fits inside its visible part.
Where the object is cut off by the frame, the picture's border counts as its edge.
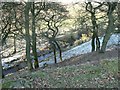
(54, 44)
(81, 72)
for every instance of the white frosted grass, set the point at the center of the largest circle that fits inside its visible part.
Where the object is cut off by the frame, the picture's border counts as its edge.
(11, 58)
(114, 40)
(78, 50)
(84, 48)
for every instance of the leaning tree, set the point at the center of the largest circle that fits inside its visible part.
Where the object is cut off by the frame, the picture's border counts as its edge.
(53, 16)
(111, 27)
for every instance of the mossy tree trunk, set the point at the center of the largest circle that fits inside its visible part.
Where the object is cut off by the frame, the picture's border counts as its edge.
(27, 8)
(110, 28)
(34, 49)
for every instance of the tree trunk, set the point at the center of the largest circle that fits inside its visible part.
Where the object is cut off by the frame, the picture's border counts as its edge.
(60, 51)
(14, 44)
(93, 42)
(1, 69)
(27, 7)
(54, 51)
(110, 27)
(95, 33)
(36, 64)
(1, 73)
(97, 43)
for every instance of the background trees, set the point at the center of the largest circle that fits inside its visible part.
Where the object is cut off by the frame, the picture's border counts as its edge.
(11, 24)
(110, 27)
(54, 23)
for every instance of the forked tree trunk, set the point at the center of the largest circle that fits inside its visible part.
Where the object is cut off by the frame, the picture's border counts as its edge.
(95, 45)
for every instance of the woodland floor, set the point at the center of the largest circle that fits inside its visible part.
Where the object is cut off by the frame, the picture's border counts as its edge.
(91, 70)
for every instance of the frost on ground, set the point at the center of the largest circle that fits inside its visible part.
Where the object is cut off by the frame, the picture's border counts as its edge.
(84, 48)
(78, 50)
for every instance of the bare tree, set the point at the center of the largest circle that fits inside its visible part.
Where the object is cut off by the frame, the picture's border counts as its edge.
(92, 11)
(53, 15)
(52, 39)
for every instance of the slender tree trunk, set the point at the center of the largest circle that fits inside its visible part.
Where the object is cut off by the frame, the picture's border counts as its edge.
(60, 51)
(54, 51)
(1, 73)
(36, 64)
(1, 69)
(93, 43)
(110, 28)
(14, 44)
(97, 43)
(27, 7)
